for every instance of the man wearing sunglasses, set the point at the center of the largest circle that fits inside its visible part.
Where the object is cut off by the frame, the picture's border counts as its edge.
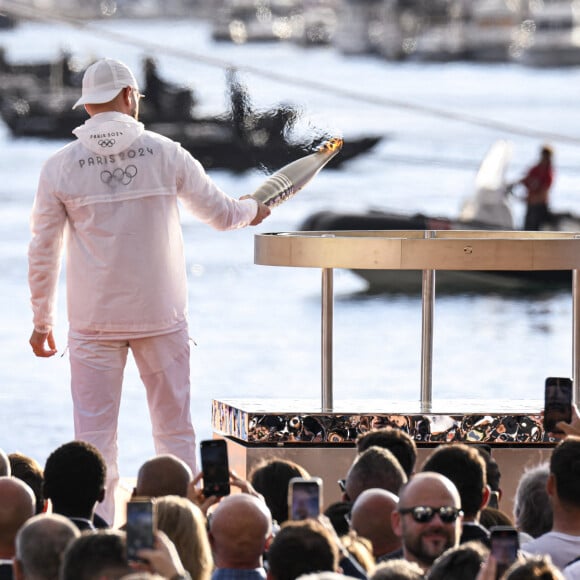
(465, 467)
(428, 518)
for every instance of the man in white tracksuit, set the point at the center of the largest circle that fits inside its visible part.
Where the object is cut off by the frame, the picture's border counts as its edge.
(115, 192)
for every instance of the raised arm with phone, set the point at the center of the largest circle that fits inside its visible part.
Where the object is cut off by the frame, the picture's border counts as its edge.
(573, 427)
(557, 403)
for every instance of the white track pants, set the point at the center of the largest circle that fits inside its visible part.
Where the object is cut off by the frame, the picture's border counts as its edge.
(96, 381)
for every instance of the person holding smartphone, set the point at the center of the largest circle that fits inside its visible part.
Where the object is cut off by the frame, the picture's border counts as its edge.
(558, 399)
(304, 498)
(505, 545)
(562, 542)
(573, 427)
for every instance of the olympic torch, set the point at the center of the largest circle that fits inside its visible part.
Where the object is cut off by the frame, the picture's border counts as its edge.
(289, 180)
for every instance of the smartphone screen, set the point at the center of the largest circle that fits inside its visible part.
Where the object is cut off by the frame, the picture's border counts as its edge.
(304, 498)
(140, 526)
(504, 547)
(557, 402)
(215, 467)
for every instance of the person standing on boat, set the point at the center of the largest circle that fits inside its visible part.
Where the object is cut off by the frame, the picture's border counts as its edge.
(538, 181)
(155, 86)
(115, 192)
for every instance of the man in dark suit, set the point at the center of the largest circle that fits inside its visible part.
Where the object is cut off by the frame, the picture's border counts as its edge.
(74, 482)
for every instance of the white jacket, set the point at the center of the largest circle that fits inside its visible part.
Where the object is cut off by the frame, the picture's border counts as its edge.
(115, 192)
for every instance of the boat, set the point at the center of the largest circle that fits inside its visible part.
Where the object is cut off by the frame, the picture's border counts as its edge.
(489, 208)
(443, 38)
(357, 21)
(482, 31)
(550, 37)
(7, 22)
(393, 33)
(49, 115)
(215, 143)
(63, 71)
(239, 140)
(24, 80)
(36, 99)
(491, 29)
(318, 23)
(242, 21)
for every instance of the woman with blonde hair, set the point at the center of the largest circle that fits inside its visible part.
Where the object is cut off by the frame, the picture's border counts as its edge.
(185, 525)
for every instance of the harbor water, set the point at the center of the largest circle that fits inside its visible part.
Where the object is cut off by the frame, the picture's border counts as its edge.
(256, 328)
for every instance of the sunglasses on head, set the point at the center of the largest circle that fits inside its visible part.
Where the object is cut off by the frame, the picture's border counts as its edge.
(423, 514)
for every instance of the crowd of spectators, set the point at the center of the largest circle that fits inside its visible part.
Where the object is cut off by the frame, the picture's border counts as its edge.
(394, 521)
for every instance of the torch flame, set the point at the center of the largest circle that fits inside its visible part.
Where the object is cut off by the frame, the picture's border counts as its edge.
(334, 144)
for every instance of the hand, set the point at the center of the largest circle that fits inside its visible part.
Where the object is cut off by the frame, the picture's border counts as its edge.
(163, 558)
(572, 428)
(37, 341)
(263, 211)
(488, 569)
(244, 485)
(195, 495)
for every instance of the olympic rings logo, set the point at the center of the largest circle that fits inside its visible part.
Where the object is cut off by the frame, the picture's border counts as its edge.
(119, 175)
(107, 142)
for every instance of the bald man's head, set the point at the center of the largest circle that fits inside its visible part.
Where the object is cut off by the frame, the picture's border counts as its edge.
(240, 527)
(163, 475)
(371, 518)
(17, 504)
(432, 485)
(428, 518)
(40, 545)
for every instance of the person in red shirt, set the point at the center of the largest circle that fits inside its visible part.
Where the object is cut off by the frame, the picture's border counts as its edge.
(537, 182)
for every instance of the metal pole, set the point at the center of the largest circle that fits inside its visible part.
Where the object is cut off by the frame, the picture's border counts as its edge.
(576, 333)
(428, 303)
(327, 319)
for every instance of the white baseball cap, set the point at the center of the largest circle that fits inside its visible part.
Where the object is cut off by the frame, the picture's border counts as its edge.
(104, 80)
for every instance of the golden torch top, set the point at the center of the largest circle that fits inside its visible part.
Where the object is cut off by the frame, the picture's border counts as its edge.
(334, 144)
